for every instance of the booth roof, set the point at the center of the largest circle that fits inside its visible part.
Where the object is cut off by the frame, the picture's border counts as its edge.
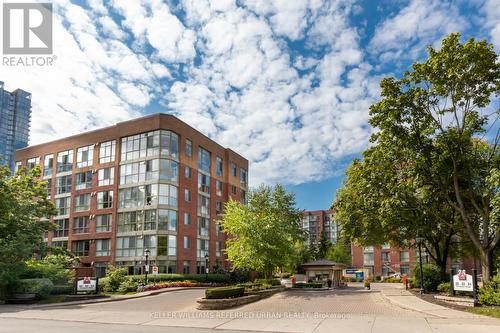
(323, 262)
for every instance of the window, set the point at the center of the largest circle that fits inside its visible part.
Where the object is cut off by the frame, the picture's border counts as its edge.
(81, 225)
(102, 247)
(169, 170)
(80, 248)
(18, 166)
(172, 245)
(368, 259)
(218, 229)
(132, 173)
(218, 188)
(107, 152)
(62, 227)
(189, 148)
(131, 197)
(61, 243)
(234, 170)
(167, 219)
(65, 161)
(218, 167)
(233, 189)
(386, 256)
(84, 156)
(186, 242)
(187, 218)
(104, 199)
(100, 269)
(63, 184)
(404, 256)
(203, 227)
(151, 195)
(187, 195)
(218, 248)
(128, 221)
(203, 183)
(185, 267)
(126, 246)
(404, 270)
(187, 172)
(243, 177)
(150, 219)
(202, 248)
(32, 162)
(243, 197)
(105, 176)
(48, 186)
(203, 205)
(164, 143)
(200, 267)
(218, 207)
(82, 202)
(204, 160)
(167, 195)
(83, 180)
(63, 206)
(162, 245)
(103, 223)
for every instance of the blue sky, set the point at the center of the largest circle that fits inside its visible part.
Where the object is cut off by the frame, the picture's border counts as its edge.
(286, 83)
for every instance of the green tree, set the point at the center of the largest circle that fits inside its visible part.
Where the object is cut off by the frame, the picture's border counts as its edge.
(263, 233)
(439, 114)
(323, 246)
(23, 207)
(379, 203)
(340, 252)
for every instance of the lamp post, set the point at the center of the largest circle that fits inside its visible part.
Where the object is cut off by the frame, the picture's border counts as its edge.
(419, 242)
(146, 267)
(206, 267)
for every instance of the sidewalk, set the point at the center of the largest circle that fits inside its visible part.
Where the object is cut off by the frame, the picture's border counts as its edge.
(111, 298)
(406, 300)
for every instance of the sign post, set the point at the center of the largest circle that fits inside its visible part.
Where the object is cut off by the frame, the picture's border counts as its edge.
(86, 284)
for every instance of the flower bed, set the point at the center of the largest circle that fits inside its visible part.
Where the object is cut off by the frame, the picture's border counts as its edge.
(177, 284)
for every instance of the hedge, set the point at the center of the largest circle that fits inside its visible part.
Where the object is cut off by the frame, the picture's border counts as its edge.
(272, 282)
(224, 292)
(63, 289)
(139, 279)
(308, 285)
(40, 287)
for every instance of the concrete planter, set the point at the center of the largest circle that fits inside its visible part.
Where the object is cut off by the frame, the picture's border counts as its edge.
(462, 301)
(226, 303)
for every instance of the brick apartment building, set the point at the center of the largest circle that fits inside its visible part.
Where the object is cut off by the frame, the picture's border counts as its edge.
(149, 183)
(318, 221)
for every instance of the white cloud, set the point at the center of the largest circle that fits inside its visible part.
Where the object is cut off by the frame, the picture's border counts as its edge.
(420, 23)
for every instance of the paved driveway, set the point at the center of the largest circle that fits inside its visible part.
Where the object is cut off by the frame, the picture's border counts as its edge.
(352, 309)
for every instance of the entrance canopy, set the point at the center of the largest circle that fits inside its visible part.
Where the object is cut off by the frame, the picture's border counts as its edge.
(321, 270)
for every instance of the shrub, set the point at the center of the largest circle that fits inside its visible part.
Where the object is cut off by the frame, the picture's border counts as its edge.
(40, 287)
(308, 285)
(214, 278)
(490, 293)
(444, 288)
(63, 289)
(128, 286)
(432, 276)
(367, 284)
(377, 278)
(51, 267)
(224, 292)
(393, 280)
(272, 282)
(115, 278)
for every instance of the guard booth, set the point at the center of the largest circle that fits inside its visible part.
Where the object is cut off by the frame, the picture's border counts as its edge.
(322, 270)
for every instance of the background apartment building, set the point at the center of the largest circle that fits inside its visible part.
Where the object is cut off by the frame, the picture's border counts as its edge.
(150, 183)
(318, 221)
(15, 114)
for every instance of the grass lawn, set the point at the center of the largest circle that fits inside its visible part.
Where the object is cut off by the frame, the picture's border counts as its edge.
(486, 311)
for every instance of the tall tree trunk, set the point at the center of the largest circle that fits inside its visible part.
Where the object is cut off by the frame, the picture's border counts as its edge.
(486, 264)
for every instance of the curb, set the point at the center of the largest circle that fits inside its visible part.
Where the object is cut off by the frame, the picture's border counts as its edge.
(111, 299)
(404, 306)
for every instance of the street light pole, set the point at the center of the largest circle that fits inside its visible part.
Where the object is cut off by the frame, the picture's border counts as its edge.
(419, 242)
(146, 267)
